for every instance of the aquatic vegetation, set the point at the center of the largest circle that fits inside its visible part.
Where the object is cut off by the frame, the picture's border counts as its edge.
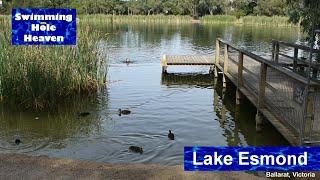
(279, 21)
(134, 19)
(171, 19)
(37, 76)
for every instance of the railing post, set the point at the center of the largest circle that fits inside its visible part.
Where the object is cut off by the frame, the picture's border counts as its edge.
(273, 50)
(262, 85)
(240, 77)
(226, 59)
(217, 59)
(314, 73)
(276, 55)
(295, 58)
(311, 110)
(240, 69)
(306, 125)
(225, 65)
(261, 95)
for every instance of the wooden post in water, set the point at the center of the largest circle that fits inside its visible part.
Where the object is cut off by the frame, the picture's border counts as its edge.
(295, 58)
(164, 64)
(217, 59)
(261, 95)
(238, 97)
(225, 65)
(240, 77)
(223, 107)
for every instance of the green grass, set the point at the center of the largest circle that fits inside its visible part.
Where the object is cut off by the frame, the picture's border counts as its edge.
(37, 77)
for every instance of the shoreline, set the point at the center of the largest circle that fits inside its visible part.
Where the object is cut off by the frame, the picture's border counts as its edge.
(15, 166)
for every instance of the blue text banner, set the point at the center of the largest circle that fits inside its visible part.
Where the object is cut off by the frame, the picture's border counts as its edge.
(44, 27)
(252, 158)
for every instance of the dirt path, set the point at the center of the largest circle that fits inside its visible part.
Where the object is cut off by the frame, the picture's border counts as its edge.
(16, 166)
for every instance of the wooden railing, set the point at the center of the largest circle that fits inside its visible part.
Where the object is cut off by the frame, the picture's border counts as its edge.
(277, 92)
(276, 54)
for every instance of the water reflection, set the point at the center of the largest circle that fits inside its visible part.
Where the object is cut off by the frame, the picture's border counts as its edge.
(237, 121)
(189, 101)
(40, 130)
(187, 79)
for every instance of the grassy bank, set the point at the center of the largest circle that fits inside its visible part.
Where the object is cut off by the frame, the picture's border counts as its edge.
(278, 21)
(38, 76)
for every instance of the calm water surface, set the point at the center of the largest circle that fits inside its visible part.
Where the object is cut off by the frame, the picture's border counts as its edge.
(188, 101)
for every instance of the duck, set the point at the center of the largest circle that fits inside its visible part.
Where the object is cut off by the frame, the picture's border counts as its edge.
(128, 61)
(83, 114)
(136, 149)
(17, 141)
(171, 135)
(124, 112)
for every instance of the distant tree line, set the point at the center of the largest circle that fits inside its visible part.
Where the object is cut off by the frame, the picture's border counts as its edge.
(150, 7)
(305, 12)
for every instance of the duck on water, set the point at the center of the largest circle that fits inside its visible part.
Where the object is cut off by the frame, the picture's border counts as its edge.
(171, 135)
(124, 112)
(17, 141)
(136, 149)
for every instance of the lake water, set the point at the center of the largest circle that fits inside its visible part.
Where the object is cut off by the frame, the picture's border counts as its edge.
(188, 101)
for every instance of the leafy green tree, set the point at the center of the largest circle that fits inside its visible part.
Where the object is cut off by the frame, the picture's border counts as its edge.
(305, 12)
(270, 7)
(147, 7)
(214, 6)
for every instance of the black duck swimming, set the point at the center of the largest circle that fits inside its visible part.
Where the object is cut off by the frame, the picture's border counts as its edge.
(171, 135)
(136, 149)
(124, 112)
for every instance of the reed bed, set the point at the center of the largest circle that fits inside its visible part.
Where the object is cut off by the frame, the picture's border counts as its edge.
(135, 18)
(38, 77)
(277, 21)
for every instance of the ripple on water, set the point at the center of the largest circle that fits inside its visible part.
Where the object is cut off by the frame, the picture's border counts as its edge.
(154, 145)
(30, 141)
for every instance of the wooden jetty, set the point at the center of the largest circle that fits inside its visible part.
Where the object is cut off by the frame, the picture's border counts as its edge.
(189, 60)
(274, 85)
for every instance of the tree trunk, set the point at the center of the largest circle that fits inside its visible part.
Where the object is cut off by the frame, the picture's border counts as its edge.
(211, 11)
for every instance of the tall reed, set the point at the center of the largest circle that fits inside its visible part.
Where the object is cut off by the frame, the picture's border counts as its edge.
(278, 21)
(136, 18)
(39, 76)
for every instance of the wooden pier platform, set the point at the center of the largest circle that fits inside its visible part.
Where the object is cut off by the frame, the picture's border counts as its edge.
(186, 60)
(281, 95)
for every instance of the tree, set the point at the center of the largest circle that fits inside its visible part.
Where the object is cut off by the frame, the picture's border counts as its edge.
(214, 6)
(305, 12)
(270, 7)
